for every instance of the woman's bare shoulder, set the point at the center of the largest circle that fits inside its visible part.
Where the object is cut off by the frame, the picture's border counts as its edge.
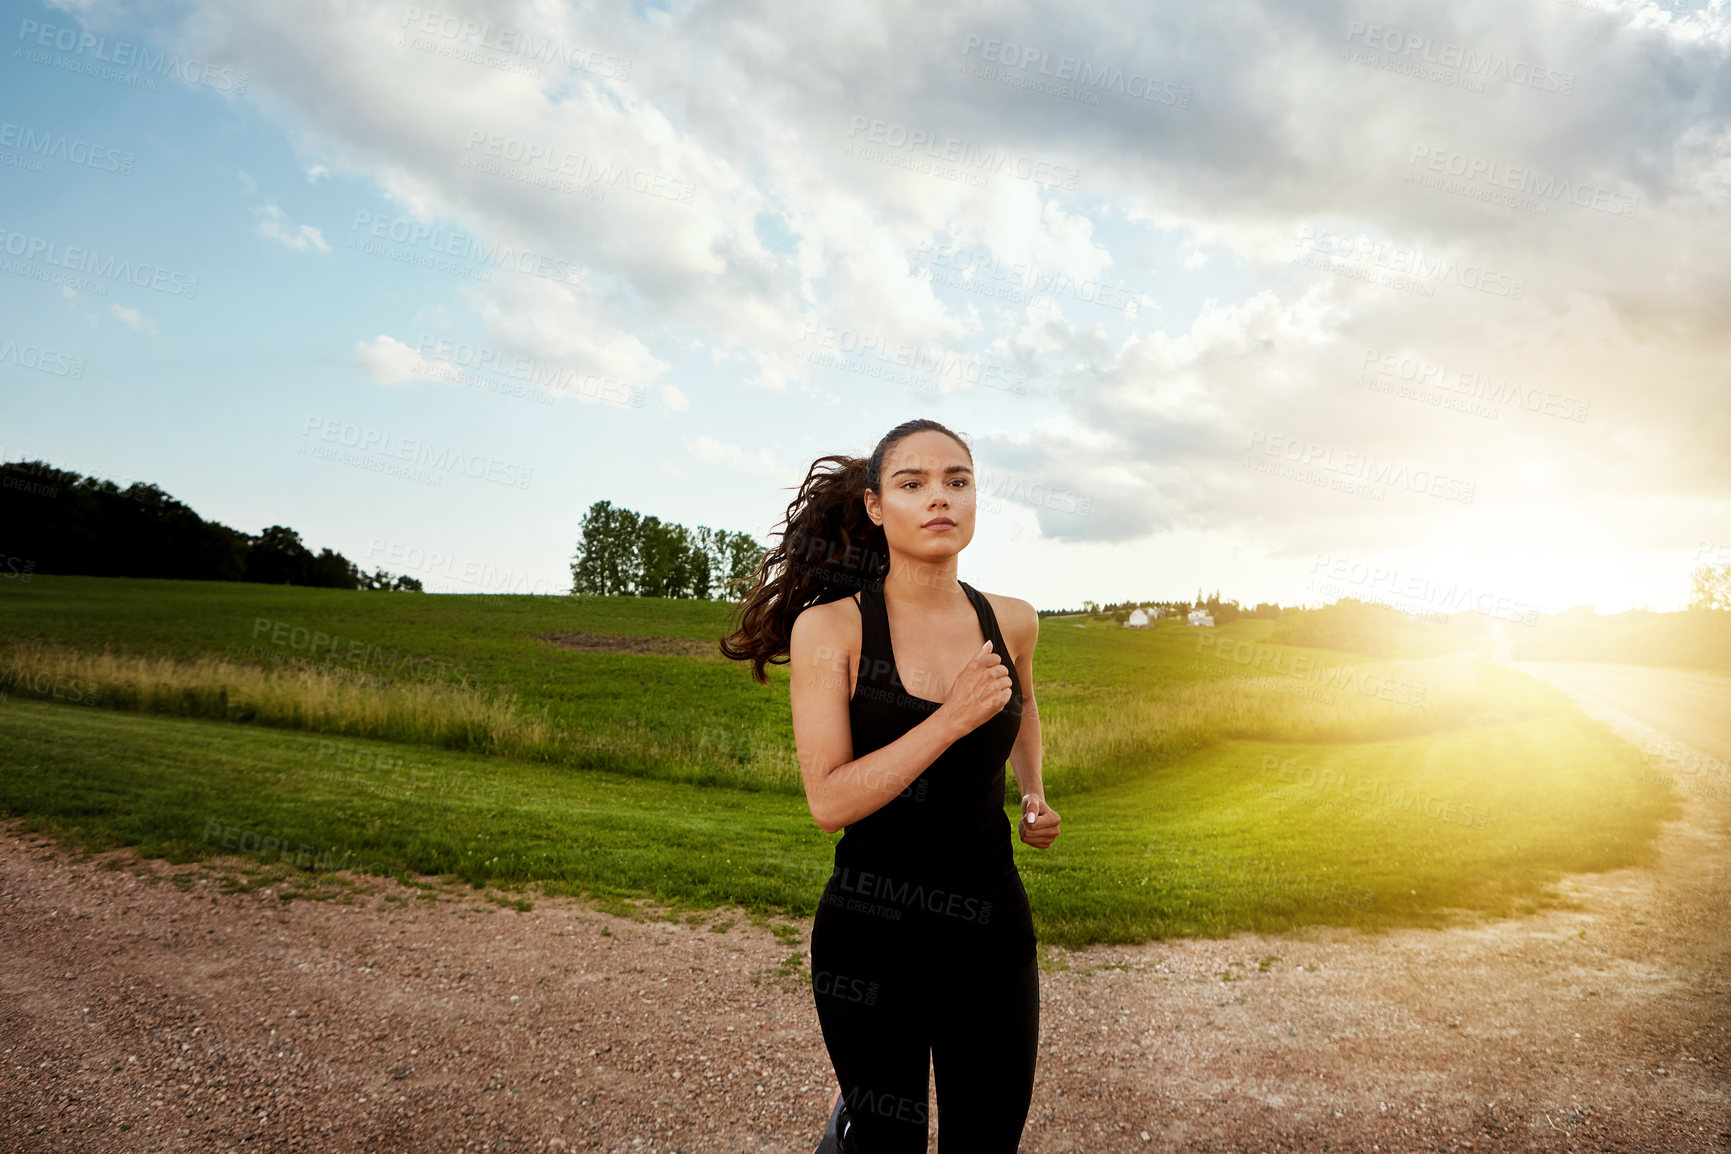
(1016, 617)
(832, 622)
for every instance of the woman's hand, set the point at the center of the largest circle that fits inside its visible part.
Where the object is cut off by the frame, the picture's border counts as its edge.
(981, 690)
(1042, 831)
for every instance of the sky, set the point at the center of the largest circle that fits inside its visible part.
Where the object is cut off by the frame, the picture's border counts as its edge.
(1411, 302)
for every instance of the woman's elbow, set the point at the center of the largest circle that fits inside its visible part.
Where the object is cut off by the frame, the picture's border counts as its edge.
(820, 800)
(818, 812)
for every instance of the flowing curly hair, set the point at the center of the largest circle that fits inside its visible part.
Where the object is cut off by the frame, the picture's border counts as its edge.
(829, 550)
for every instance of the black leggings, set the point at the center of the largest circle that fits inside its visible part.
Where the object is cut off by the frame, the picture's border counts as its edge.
(977, 1031)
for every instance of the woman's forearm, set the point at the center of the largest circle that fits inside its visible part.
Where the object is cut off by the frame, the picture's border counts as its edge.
(866, 784)
(1025, 754)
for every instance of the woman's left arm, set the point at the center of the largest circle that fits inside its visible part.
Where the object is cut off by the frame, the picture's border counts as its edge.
(1025, 754)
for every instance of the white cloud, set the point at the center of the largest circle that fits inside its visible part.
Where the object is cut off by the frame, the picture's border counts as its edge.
(132, 319)
(714, 452)
(564, 327)
(300, 237)
(757, 109)
(389, 361)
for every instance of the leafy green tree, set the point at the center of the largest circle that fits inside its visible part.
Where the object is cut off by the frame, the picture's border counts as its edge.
(379, 579)
(665, 567)
(622, 552)
(606, 560)
(332, 571)
(278, 557)
(706, 561)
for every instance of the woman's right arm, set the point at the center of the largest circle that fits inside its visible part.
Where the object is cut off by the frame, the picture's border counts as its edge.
(839, 788)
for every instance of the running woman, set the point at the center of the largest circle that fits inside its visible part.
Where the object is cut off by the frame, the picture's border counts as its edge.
(909, 689)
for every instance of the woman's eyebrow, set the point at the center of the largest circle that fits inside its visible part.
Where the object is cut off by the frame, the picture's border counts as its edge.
(922, 472)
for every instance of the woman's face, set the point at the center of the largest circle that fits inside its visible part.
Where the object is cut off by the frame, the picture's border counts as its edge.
(927, 480)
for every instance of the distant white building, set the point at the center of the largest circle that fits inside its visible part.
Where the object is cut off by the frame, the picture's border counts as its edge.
(1138, 620)
(1201, 617)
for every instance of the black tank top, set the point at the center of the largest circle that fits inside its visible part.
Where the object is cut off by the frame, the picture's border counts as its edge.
(934, 864)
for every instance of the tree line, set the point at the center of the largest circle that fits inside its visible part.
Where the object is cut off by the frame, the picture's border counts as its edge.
(64, 522)
(623, 552)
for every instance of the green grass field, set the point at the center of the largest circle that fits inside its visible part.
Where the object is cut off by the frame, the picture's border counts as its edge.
(1208, 781)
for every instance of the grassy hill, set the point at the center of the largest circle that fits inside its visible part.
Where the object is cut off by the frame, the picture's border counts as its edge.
(1209, 780)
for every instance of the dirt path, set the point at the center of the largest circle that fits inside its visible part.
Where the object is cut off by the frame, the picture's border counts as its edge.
(138, 1014)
